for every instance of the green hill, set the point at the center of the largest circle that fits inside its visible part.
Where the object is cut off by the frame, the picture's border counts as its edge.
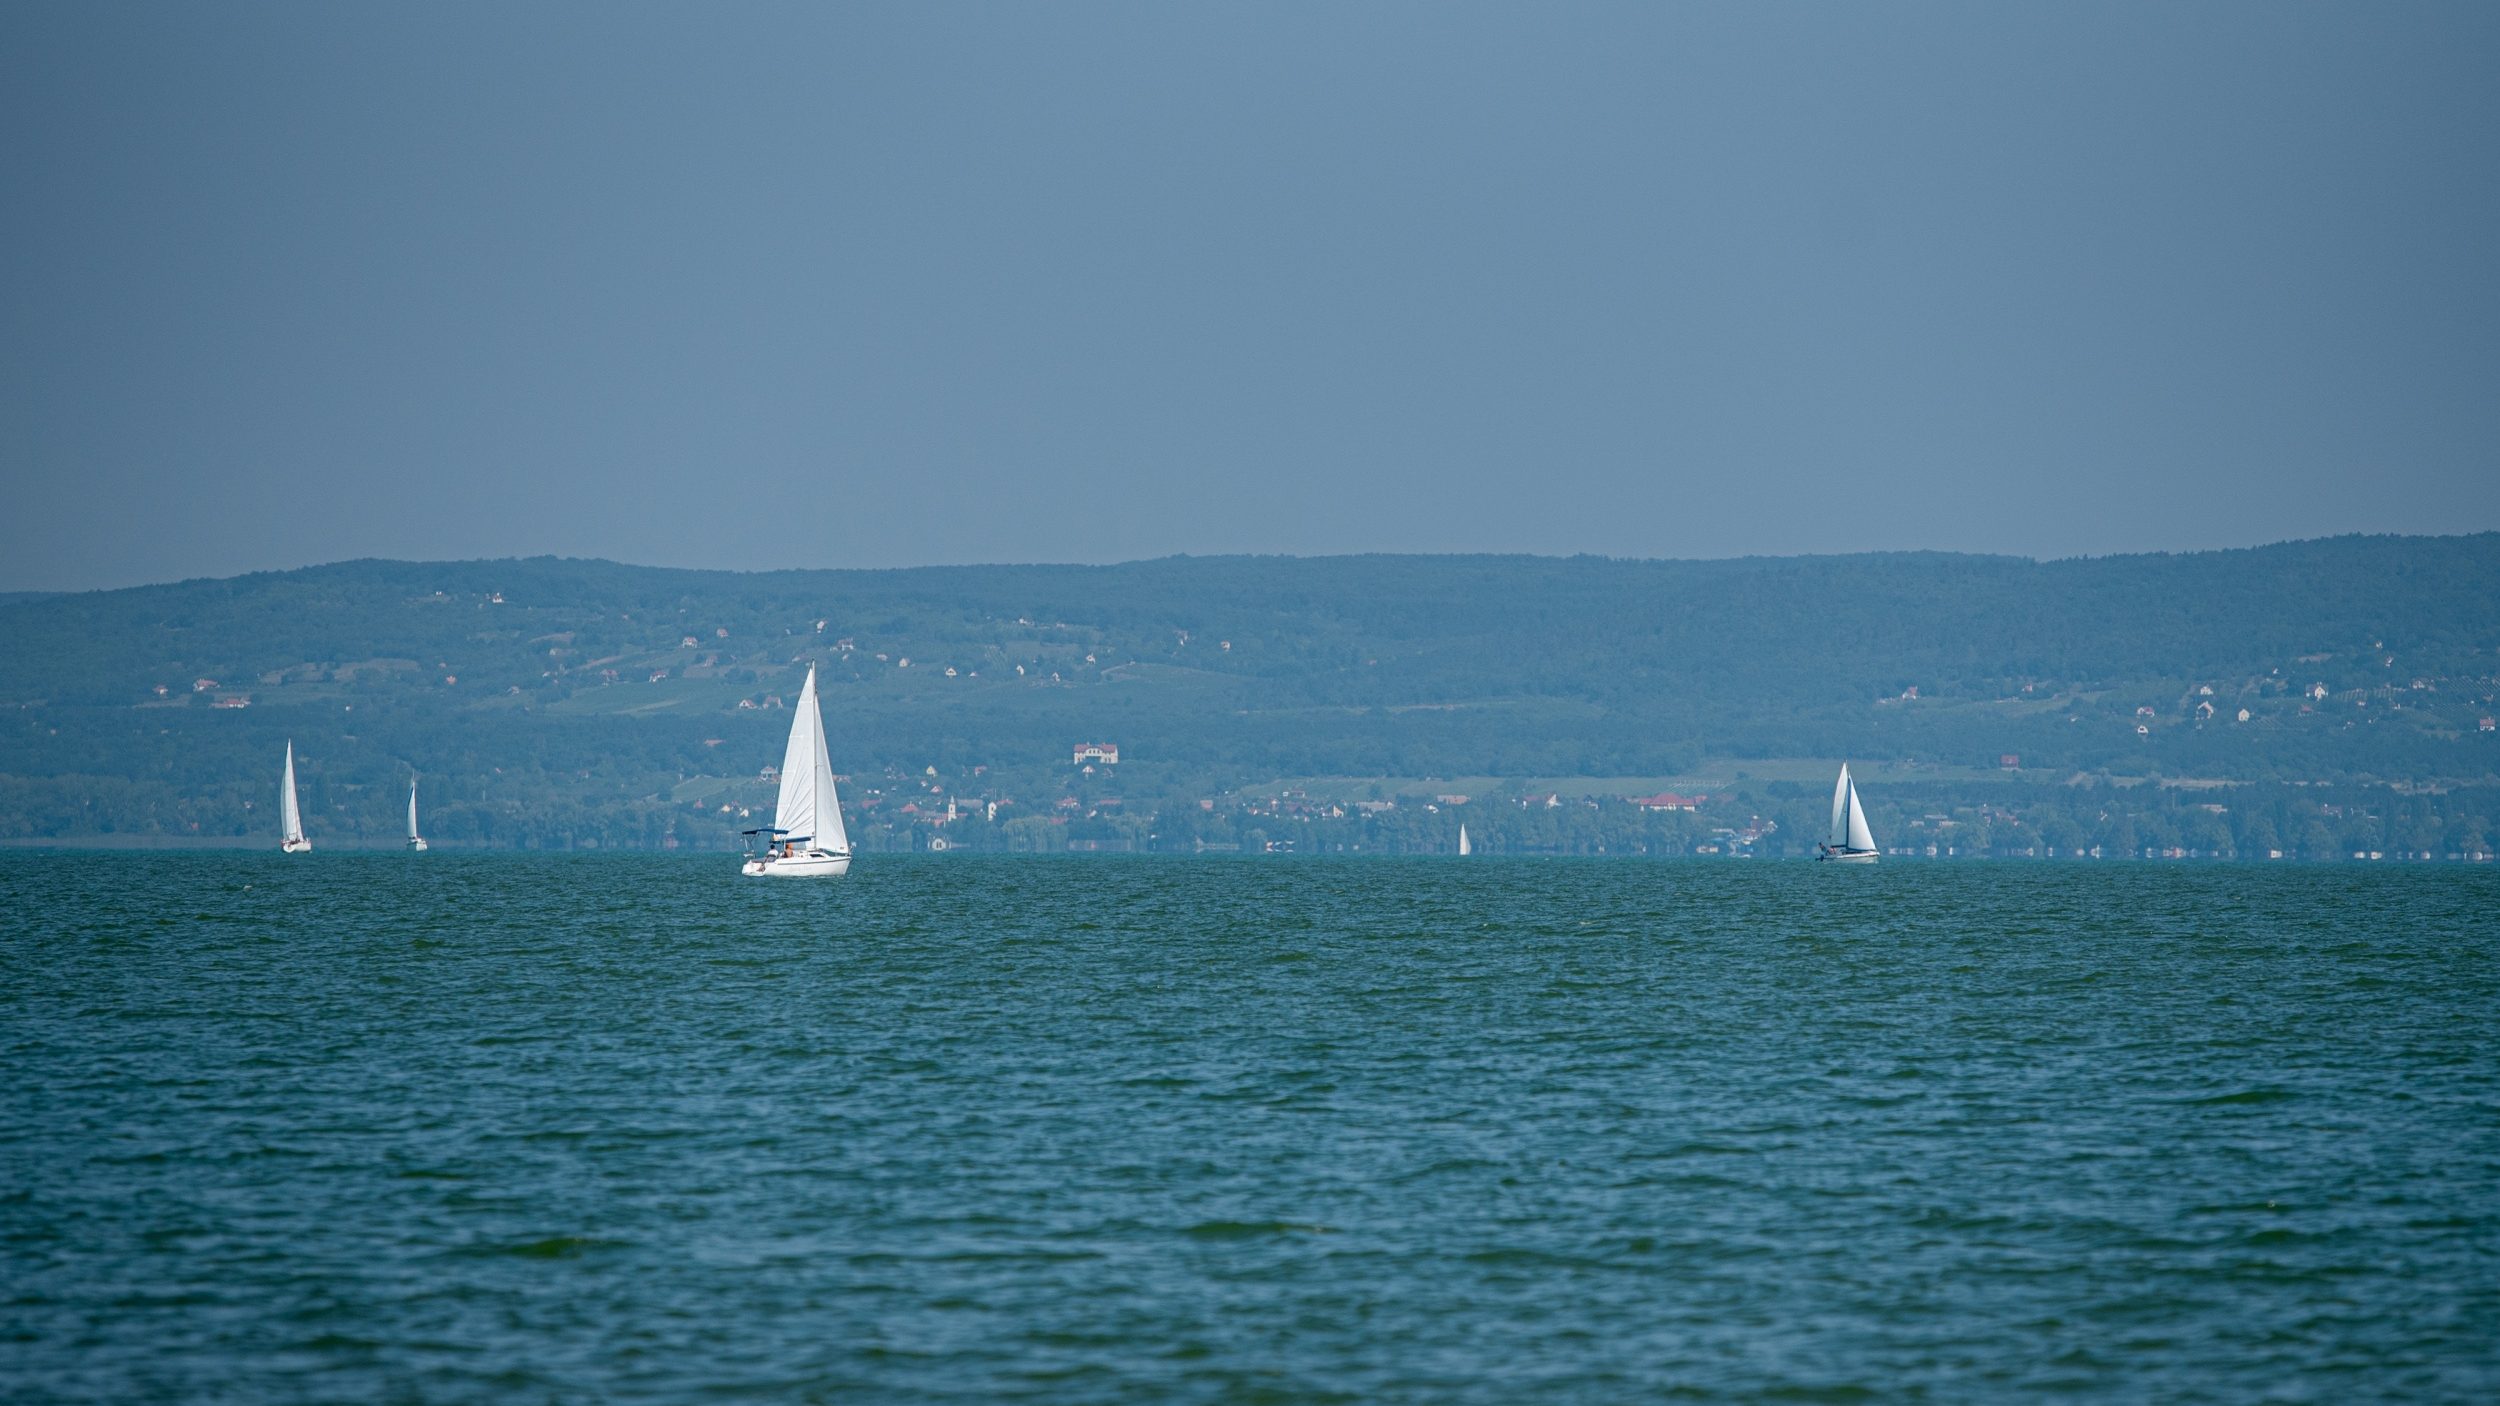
(554, 701)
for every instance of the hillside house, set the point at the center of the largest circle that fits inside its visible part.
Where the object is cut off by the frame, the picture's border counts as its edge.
(1668, 800)
(233, 700)
(2145, 711)
(2204, 710)
(202, 685)
(2010, 761)
(2243, 715)
(1107, 753)
(2486, 725)
(2317, 690)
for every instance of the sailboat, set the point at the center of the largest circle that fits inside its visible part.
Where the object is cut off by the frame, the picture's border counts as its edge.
(806, 837)
(290, 816)
(1851, 842)
(1464, 849)
(416, 842)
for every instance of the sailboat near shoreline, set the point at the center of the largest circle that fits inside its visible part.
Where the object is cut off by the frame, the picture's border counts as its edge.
(1851, 842)
(416, 842)
(806, 837)
(1464, 849)
(290, 815)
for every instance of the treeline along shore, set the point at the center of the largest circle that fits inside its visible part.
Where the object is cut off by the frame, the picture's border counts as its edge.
(2319, 700)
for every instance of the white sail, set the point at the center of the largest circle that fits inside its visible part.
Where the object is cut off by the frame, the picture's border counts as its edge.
(416, 842)
(290, 816)
(1462, 840)
(1849, 831)
(1860, 838)
(809, 809)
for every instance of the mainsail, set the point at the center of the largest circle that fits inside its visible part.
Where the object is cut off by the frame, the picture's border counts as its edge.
(809, 809)
(290, 817)
(412, 810)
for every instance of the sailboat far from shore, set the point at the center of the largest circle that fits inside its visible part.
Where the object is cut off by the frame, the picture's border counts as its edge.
(1464, 848)
(416, 842)
(806, 838)
(290, 815)
(1850, 842)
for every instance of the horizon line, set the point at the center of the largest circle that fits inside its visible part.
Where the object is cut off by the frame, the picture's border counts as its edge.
(26, 595)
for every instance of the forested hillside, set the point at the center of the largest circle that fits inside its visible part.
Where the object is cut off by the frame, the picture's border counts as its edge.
(558, 702)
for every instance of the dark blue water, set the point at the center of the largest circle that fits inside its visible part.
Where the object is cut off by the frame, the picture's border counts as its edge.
(516, 1129)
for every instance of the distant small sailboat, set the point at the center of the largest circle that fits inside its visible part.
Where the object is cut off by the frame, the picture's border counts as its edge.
(416, 842)
(290, 816)
(806, 836)
(1851, 842)
(1464, 849)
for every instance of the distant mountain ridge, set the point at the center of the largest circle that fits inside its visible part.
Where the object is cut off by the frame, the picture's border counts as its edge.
(598, 687)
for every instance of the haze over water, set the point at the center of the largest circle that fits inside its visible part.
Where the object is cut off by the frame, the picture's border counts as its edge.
(515, 1128)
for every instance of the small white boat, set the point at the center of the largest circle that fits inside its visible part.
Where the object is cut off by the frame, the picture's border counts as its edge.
(290, 816)
(416, 842)
(1851, 842)
(1464, 849)
(806, 838)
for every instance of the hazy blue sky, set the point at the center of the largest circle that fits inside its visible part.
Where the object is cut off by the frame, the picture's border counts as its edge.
(758, 286)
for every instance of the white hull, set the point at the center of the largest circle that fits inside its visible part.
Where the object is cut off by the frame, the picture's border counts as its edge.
(417, 846)
(813, 864)
(295, 847)
(1848, 856)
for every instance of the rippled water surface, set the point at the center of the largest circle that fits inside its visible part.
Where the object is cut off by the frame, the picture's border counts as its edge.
(517, 1129)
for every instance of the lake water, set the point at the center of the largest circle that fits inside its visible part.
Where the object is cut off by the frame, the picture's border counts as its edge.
(517, 1129)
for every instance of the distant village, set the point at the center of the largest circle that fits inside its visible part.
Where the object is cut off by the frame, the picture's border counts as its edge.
(1081, 808)
(656, 728)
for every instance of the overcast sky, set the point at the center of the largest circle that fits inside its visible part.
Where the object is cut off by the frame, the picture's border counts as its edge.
(754, 286)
